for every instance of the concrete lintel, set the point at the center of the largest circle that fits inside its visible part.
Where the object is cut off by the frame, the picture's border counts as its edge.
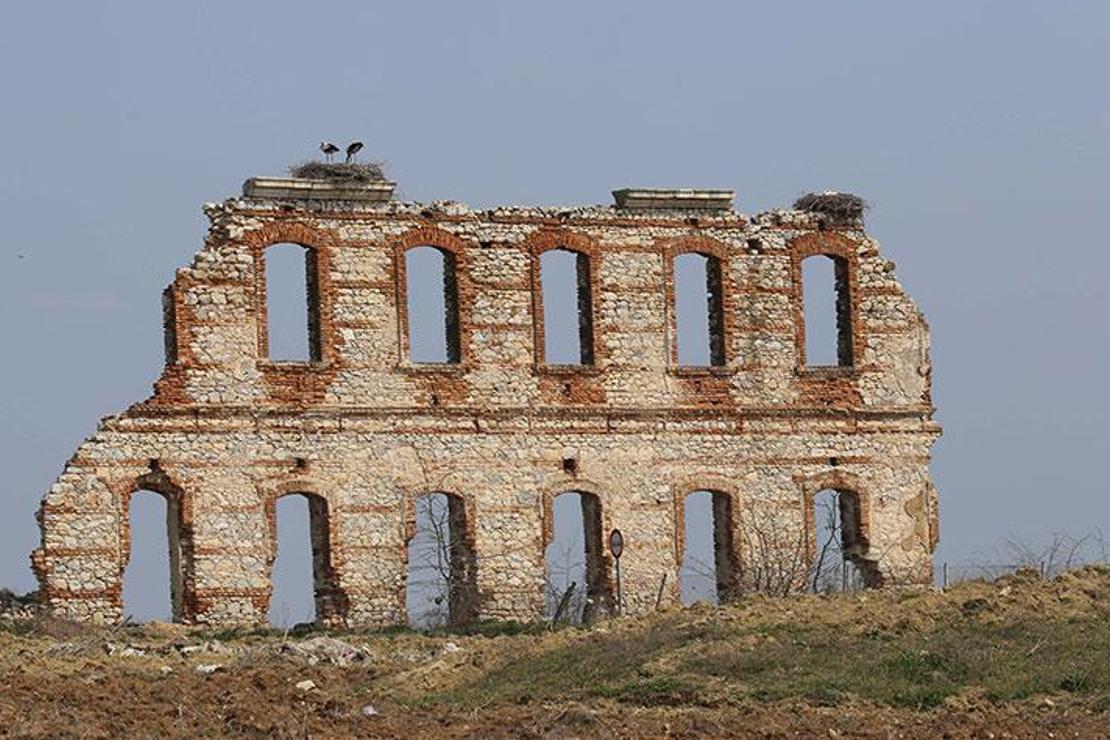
(285, 188)
(675, 198)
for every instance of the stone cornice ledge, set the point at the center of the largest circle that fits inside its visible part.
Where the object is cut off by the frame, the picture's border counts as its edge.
(291, 188)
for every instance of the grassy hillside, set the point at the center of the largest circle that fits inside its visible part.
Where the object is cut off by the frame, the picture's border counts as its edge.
(1019, 655)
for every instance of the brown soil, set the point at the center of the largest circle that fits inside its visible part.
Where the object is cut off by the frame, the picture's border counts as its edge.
(63, 680)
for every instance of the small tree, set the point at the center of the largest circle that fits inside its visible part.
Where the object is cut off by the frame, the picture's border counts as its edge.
(442, 567)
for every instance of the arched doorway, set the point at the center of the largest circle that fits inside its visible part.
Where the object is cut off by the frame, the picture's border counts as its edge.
(154, 577)
(709, 566)
(838, 543)
(575, 555)
(304, 585)
(440, 587)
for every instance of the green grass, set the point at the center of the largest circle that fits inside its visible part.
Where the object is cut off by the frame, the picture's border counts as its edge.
(592, 665)
(816, 664)
(654, 691)
(919, 670)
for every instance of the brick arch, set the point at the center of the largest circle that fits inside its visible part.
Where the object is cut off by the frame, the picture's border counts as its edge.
(310, 488)
(845, 253)
(179, 505)
(546, 240)
(823, 242)
(455, 250)
(700, 244)
(691, 484)
(715, 250)
(846, 484)
(568, 484)
(331, 599)
(431, 236)
(295, 232)
(318, 242)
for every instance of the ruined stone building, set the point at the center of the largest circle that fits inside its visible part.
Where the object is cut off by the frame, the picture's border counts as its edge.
(362, 430)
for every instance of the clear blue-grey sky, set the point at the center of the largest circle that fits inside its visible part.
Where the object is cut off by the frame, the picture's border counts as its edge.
(979, 132)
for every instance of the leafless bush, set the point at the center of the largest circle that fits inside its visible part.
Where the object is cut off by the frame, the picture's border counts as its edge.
(1062, 552)
(1059, 553)
(565, 566)
(774, 557)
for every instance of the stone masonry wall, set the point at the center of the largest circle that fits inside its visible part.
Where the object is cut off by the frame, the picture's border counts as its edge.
(364, 431)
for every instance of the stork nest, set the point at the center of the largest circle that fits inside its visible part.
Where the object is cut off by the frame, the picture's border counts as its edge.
(355, 173)
(836, 206)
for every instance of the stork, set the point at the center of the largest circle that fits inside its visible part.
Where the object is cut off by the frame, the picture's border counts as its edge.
(328, 149)
(352, 149)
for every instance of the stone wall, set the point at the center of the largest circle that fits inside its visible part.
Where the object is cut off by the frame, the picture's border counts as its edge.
(364, 431)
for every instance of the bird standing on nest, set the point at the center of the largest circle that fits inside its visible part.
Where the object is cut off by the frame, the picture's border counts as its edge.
(352, 149)
(328, 149)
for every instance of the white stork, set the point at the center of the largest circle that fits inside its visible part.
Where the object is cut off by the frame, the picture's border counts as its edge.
(328, 149)
(352, 149)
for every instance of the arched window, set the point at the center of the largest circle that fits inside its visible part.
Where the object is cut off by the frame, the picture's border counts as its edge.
(708, 570)
(432, 300)
(153, 582)
(827, 309)
(304, 585)
(291, 316)
(838, 543)
(574, 558)
(568, 334)
(699, 310)
(440, 589)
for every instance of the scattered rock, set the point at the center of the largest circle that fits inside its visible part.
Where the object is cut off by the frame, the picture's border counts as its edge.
(207, 669)
(450, 647)
(369, 711)
(325, 649)
(123, 651)
(307, 685)
(208, 646)
(16, 608)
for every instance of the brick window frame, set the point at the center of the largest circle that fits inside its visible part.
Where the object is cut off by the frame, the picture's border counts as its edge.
(718, 254)
(179, 506)
(600, 581)
(545, 241)
(327, 561)
(845, 254)
(317, 243)
(454, 250)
